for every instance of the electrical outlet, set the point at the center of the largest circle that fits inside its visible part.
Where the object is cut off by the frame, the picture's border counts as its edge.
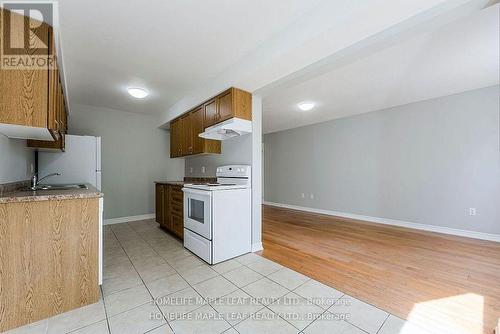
(472, 211)
(302, 195)
(203, 169)
(190, 170)
(311, 196)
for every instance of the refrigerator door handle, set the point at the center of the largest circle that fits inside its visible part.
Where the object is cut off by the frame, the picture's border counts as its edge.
(98, 154)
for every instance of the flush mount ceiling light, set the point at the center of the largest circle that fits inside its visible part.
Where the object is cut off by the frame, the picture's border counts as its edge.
(138, 93)
(306, 106)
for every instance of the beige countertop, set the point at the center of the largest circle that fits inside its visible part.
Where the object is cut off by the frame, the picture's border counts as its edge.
(47, 195)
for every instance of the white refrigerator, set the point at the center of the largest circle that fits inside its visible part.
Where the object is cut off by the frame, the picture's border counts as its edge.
(80, 163)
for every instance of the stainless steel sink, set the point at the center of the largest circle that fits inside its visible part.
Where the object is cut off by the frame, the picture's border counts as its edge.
(60, 186)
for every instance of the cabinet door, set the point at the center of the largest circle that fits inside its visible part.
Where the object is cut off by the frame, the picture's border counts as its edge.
(159, 200)
(187, 136)
(64, 119)
(62, 113)
(180, 134)
(210, 113)
(166, 206)
(24, 92)
(177, 226)
(172, 139)
(59, 106)
(196, 120)
(175, 138)
(224, 106)
(53, 88)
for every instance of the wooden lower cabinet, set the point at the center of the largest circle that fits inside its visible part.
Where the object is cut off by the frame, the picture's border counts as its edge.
(177, 223)
(159, 203)
(48, 259)
(170, 208)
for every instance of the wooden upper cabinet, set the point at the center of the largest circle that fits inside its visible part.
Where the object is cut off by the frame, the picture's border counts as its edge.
(196, 119)
(176, 138)
(32, 104)
(24, 92)
(210, 113)
(57, 118)
(185, 139)
(48, 145)
(224, 106)
(187, 136)
(52, 96)
(231, 103)
(185, 130)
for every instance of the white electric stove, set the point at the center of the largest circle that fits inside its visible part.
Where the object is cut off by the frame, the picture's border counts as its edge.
(218, 216)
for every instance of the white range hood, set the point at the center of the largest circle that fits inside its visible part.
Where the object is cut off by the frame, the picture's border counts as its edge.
(230, 128)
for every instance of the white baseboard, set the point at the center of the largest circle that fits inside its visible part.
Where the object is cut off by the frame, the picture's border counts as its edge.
(256, 247)
(121, 220)
(394, 222)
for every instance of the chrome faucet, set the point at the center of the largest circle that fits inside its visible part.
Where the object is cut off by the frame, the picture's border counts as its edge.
(35, 181)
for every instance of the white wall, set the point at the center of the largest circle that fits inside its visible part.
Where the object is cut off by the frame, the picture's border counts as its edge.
(426, 162)
(15, 160)
(256, 173)
(135, 153)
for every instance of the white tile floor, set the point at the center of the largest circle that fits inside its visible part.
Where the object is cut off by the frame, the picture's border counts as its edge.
(153, 285)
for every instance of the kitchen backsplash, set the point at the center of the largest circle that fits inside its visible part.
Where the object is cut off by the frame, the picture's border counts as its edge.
(200, 179)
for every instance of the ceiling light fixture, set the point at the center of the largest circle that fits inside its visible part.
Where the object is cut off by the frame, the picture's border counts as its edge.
(138, 93)
(306, 106)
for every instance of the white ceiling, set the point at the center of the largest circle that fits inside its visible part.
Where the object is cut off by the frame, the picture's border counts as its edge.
(325, 31)
(457, 57)
(166, 46)
(184, 51)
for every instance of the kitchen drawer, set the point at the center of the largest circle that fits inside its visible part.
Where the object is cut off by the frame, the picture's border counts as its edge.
(176, 196)
(198, 245)
(176, 189)
(177, 209)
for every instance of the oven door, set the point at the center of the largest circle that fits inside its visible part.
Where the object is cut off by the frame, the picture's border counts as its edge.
(198, 212)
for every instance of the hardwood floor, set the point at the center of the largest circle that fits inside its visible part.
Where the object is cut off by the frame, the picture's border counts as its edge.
(444, 283)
